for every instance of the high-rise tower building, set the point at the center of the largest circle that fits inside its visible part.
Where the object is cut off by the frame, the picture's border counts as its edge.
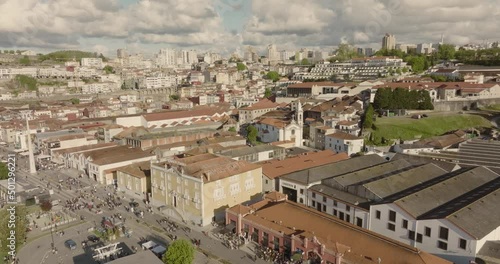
(389, 42)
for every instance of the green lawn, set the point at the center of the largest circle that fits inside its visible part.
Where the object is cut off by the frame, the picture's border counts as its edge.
(407, 128)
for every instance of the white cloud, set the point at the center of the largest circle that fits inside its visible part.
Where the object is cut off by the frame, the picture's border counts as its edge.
(60, 24)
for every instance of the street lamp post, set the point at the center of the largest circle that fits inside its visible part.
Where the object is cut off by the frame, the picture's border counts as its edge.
(52, 237)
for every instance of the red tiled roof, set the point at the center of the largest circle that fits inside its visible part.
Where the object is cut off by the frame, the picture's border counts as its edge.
(179, 114)
(262, 104)
(342, 135)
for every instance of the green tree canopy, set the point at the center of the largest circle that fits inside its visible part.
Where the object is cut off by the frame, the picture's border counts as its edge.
(240, 66)
(368, 117)
(20, 228)
(4, 171)
(108, 69)
(401, 98)
(446, 52)
(75, 101)
(180, 251)
(304, 62)
(25, 60)
(252, 134)
(345, 52)
(26, 82)
(418, 63)
(268, 93)
(174, 97)
(272, 75)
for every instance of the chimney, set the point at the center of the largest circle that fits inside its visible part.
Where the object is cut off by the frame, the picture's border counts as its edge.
(207, 176)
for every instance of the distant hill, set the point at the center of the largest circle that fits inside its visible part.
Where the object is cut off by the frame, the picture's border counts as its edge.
(68, 55)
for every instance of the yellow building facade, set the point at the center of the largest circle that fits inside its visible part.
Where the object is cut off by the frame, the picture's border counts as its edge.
(198, 189)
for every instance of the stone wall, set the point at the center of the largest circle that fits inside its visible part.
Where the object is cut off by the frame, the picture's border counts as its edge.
(464, 105)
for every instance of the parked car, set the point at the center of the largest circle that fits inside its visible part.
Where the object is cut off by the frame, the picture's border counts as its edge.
(93, 238)
(70, 244)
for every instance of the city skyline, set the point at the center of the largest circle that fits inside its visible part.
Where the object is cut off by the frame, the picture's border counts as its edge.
(226, 25)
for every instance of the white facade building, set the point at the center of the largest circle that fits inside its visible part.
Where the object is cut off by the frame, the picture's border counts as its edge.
(344, 142)
(92, 63)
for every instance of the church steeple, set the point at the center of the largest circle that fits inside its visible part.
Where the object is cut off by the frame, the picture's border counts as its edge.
(299, 114)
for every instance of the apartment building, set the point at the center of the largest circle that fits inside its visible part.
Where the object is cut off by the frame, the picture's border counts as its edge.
(344, 142)
(198, 189)
(250, 113)
(92, 63)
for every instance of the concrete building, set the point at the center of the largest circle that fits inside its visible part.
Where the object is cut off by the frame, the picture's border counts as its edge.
(101, 164)
(251, 113)
(453, 217)
(296, 184)
(135, 179)
(255, 154)
(273, 170)
(198, 189)
(92, 63)
(344, 142)
(389, 42)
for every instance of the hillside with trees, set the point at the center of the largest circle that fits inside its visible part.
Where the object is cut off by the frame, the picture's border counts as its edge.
(69, 55)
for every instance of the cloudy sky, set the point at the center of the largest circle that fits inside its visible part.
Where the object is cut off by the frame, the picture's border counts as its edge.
(225, 25)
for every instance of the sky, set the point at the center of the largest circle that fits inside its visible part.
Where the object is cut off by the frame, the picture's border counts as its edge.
(227, 25)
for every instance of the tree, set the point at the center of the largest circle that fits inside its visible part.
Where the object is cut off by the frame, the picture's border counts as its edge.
(180, 251)
(240, 66)
(104, 59)
(345, 52)
(404, 70)
(252, 134)
(425, 101)
(439, 78)
(25, 60)
(4, 171)
(232, 129)
(304, 62)
(75, 101)
(417, 63)
(46, 205)
(20, 227)
(368, 117)
(26, 82)
(268, 93)
(382, 98)
(108, 69)
(446, 52)
(272, 75)
(174, 97)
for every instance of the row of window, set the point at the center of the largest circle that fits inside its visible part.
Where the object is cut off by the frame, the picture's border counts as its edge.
(443, 233)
